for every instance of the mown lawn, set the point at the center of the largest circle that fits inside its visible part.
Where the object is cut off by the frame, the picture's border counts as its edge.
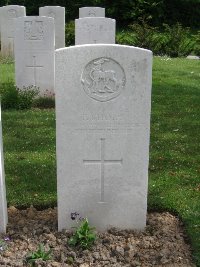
(174, 183)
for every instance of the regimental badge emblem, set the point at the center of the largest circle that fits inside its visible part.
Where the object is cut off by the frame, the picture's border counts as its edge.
(12, 13)
(103, 79)
(33, 30)
(52, 14)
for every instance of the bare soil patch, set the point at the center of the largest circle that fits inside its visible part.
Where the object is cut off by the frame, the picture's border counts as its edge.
(161, 244)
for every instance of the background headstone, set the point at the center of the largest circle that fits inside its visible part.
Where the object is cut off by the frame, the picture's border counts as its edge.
(8, 14)
(95, 30)
(103, 99)
(0, 23)
(3, 202)
(91, 12)
(35, 54)
(58, 13)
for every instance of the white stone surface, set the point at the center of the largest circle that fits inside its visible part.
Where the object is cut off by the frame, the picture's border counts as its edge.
(3, 202)
(8, 14)
(192, 57)
(0, 23)
(35, 54)
(91, 12)
(95, 30)
(58, 13)
(103, 96)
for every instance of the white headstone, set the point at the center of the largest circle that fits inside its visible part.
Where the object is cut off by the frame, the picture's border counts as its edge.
(3, 203)
(91, 12)
(95, 30)
(103, 99)
(8, 14)
(0, 23)
(35, 54)
(58, 13)
(192, 57)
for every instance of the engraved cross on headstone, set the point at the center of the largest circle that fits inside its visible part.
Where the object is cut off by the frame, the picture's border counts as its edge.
(102, 163)
(34, 66)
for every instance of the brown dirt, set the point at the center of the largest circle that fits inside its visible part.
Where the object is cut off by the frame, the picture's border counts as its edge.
(161, 244)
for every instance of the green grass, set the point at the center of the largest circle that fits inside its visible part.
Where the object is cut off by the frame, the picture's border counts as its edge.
(174, 183)
(6, 70)
(30, 165)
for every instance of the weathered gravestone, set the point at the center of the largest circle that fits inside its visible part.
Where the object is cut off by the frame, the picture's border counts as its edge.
(91, 12)
(34, 53)
(8, 14)
(95, 30)
(58, 13)
(103, 96)
(3, 203)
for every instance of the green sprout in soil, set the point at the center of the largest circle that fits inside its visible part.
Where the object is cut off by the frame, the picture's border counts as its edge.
(40, 254)
(3, 243)
(84, 236)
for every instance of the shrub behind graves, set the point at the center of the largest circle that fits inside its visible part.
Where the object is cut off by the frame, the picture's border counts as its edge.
(15, 98)
(178, 41)
(174, 41)
(70, 33)
(9, 96)
(26, 97)
(44, 102)
(197, 43)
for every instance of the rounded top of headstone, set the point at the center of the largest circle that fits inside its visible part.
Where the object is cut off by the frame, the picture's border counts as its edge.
(12, 6)
(95, 19)
(51, 7)
(91, 12)
(193, 57)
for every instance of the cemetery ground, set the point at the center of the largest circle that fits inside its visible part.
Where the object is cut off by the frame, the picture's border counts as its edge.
(174, 170)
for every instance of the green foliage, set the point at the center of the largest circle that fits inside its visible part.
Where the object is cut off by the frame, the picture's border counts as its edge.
(197, 44)
(3, 245)
(15, 98)
(9, 96)
(70, 260)
(143, 34)
(174, 41)
(26, 97)
(6, 60)
(178, 41)
(70, 33)
(187, 12)
(84, 235)
(40, 254)
(125, 37)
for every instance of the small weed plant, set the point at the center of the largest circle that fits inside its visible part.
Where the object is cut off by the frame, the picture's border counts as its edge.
(40, 254)
(84, 236)
(3, 244)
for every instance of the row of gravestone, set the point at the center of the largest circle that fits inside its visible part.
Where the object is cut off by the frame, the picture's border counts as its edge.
(103, 100)
(11, 12)
(34, 38)
(8, 13)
